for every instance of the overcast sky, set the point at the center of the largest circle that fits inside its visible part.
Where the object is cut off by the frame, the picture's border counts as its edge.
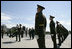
(23, 12)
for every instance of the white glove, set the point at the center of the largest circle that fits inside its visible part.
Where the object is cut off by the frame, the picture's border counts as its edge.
(36, 36)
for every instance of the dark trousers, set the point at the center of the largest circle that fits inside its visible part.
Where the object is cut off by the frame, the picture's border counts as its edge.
(41, 42)
(22, 35)
(54, 40)
(26, 34)
(59, 39)
(2, 35)
(30, 35)
(18, 36)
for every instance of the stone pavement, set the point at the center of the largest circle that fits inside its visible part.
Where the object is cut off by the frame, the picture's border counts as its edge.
(7, 42)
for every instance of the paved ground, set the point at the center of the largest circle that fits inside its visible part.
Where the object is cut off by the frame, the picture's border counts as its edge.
(7, 42)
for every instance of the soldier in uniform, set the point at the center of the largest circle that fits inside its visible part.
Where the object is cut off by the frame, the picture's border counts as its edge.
(16, 32)
(22, 32)
(24, 28)
(32, 32)
(19, 32)
(40, 26)
(58, 33)
(26, 31)
(52, 31)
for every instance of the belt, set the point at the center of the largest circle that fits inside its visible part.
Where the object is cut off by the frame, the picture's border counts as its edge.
(41, 24)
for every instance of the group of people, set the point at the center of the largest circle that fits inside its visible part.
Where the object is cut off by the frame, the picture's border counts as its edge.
(40, 28)
(19, 32)
(31, 33)
(60, 30)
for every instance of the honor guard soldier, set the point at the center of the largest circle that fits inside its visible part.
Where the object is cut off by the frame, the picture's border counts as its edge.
(52, 31)
(40, 26)
(58, 30)
(16, 32)
(33, 32)
(19, 32)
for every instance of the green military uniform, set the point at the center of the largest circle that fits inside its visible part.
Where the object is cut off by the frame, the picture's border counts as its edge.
(18, 33)
(22, 32)
(59, 33)
(40, 26)
(52, 31)
(33, 31)
(30, 33)
(24, 29)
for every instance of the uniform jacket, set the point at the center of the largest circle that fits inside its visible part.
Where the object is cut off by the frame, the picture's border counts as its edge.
(40, 23)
